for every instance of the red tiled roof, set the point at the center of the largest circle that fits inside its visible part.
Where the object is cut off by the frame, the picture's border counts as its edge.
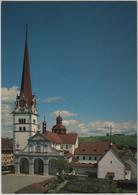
(53, 137)
(68, 155)
(7, 145)
(88, 148)
(84, 165)
(69, 138)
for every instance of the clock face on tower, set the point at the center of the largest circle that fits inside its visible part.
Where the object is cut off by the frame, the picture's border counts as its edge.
(22, 103)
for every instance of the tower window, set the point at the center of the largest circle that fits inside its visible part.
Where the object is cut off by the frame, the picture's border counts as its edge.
(24, 128)
(22, 121)
(34, 121)
(20, 128)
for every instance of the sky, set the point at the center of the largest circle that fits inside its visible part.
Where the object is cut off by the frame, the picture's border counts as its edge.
(82, 60)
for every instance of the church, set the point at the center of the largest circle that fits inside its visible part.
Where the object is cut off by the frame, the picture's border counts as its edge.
(35, 150)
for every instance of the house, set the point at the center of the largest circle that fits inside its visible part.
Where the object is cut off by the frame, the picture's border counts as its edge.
(91, 152)
(7, 151)
(111, 166)
(133, 164)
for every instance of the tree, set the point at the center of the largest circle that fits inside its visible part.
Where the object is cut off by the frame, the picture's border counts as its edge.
(61, 164)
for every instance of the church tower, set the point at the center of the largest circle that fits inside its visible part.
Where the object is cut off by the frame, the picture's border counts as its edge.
(25, 123)
(59, 128)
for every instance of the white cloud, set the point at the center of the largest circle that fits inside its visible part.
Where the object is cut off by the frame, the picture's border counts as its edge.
(7, 106)
(99, 127)
(63, 113)
(70, 122)
(92, 128)
(102, 127)
(9, 94)
(52, 99)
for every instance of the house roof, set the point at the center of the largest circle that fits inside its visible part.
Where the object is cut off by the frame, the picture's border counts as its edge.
(69, 138)
(83, 165)
(53, 137)
(93, 148)
(7, 145)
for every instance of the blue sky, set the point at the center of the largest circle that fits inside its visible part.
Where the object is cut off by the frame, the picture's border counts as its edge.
(82, 60)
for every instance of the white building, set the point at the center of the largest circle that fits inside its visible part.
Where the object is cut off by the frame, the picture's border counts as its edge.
(91, 152)
(110, 166)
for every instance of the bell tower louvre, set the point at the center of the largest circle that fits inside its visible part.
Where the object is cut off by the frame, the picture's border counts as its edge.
(25, 115)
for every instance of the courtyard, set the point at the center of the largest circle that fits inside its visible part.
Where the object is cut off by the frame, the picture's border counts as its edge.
(12, 182)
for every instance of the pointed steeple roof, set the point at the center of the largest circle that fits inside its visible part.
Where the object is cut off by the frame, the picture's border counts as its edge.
(26, 88)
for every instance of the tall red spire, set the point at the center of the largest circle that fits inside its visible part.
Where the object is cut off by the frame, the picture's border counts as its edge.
(26, 88)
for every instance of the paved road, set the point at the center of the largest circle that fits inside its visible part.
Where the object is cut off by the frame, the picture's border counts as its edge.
(12, 183)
